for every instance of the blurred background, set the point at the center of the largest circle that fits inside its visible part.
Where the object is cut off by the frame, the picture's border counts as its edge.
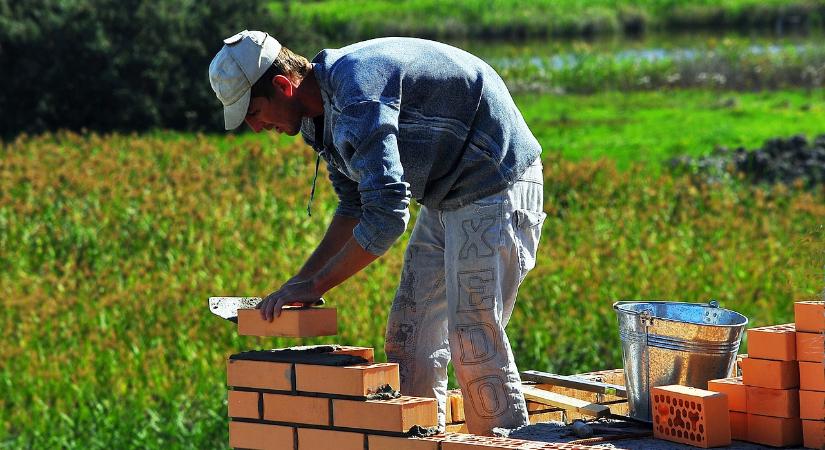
(682, 152)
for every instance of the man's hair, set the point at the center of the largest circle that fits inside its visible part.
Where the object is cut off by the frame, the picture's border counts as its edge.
(289, 64)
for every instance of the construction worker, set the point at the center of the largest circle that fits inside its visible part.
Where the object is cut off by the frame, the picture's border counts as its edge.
(395, 119)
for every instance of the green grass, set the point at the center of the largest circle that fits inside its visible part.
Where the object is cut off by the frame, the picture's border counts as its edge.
(649, 128)
(510, 18)
(110, 246)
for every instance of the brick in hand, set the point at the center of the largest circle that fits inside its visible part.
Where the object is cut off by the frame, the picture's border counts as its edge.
(293, 322)
(691, 416)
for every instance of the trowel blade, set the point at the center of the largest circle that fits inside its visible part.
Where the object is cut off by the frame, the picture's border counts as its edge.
(227, 307)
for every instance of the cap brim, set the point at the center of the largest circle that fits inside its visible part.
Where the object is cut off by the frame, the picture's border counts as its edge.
(234, 114)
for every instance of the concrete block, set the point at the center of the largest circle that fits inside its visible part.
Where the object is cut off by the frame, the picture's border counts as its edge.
(810, 316)
(293, 322)
(777, 342)
(770, 374)
(691, 416)
(357, 381)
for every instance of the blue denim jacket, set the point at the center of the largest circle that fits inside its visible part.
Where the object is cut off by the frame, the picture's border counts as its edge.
(413, 118)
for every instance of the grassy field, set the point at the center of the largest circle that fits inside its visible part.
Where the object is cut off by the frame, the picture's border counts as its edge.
(110, 246)
(510, 18)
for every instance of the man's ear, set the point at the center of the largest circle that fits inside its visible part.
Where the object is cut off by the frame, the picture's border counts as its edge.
(283, 84)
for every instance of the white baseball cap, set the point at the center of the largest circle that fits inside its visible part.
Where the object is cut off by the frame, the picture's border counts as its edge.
(240, 63)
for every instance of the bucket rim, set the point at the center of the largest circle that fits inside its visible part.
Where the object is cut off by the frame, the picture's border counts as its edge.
(712, 304)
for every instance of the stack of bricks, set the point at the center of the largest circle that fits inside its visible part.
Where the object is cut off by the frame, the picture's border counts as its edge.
(779, 399)
(322, 397)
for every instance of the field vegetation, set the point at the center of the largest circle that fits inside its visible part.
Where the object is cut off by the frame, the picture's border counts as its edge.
(515, 19)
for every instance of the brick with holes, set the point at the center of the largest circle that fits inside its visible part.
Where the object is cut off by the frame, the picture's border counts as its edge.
(770, 374)
(396, 415)
(735, 389)
(403, 443)
(810, 347)
(359, 381)
(810, 316)
(691, 416)
(777, 342)
(774, 431)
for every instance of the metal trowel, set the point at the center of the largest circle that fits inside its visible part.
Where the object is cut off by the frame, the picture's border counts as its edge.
(227, 307)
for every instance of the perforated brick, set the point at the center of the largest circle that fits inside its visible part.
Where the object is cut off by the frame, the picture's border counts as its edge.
(293, 322)
(245, 405)
(813, 432)
(296, 409)
(400, 443)
(810, 316)
(812, 376)
(259, 436)
(362, 352)
(770, 374)
(259, 374)
(397, 415)
(738, 425)
(810, 347)
(691, 416)
(812, 405)
(360, 380)
(774, 431)
(773, 402)
(475, 442)
(310, 439)
(777, 342)
(735, 390)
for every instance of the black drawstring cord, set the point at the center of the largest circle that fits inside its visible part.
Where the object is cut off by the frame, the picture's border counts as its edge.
(312, 192)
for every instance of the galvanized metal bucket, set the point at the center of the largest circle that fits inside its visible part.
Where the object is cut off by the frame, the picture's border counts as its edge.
(675, 343)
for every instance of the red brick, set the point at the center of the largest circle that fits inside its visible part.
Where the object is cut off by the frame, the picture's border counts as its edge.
(810, 316)
(813, 433)
(397, 415)
(456, 404)
(309, 439)
(244, 404)
(293, 322)
(259, 374)
(739, 425)
(691, 416)
(362, 352)
(735, 390)
(775, 342)
(399, 443)
(812, 376)
(812, 405)
(773, 402)
(360, 380)
(259, 436)
(296, 409)
(770, 374)
(810, 347)
(774, 431)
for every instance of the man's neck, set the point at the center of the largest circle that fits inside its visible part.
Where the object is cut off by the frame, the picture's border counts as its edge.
(309, 94)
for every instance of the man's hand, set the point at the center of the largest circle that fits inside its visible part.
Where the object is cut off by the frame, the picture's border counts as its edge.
(293, 292)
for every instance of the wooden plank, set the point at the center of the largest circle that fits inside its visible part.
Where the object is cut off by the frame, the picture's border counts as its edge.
(574, 382)
(562, 401)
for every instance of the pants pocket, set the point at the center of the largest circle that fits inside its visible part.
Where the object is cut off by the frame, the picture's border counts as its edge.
(528, 225)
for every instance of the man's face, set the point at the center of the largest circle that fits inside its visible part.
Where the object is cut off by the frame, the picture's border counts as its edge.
(279, 113)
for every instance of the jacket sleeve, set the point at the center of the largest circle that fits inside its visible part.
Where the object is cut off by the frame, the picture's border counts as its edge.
(349, 201)
(366, 134)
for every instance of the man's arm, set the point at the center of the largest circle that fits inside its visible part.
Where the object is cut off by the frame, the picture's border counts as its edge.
(337, 235)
